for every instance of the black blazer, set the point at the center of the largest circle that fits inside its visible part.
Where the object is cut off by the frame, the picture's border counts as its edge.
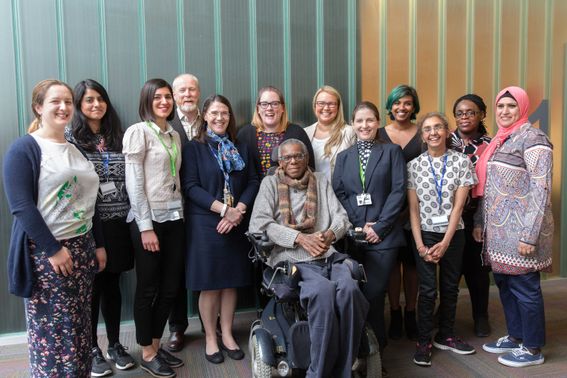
(177, 126)
(385, 181)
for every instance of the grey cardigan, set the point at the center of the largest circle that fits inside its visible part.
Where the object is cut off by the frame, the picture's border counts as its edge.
(266, 216)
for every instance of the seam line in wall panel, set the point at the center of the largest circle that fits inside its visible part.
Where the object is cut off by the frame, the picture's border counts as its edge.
(60, 40)
(441, 71)
(470, 45)
(103, 46)
(383, 48)
(352, 58)
(497, 20)
(17, 43)
(320, 41)
(287, 57)
(523, 43)
(180, 9)
(253, 48)
(412, 42)
(142, 30)
(563, 241)
(218, 46)
(548, 37)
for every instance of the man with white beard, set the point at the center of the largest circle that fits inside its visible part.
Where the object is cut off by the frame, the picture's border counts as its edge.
(186, 121)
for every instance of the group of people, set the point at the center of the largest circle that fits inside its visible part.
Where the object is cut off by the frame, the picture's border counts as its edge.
(174, 194)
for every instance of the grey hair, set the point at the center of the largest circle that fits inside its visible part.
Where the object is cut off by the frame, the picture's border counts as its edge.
(176, 81)
(292, 141)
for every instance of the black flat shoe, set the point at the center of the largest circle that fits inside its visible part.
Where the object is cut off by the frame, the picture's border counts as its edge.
(215, 358)
(157, 367)
(235, 354)
(169, 358)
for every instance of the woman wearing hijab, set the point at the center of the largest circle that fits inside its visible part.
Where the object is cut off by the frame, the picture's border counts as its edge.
(516, 225)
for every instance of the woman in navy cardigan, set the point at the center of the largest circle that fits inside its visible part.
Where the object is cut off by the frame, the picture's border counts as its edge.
(219, 184)
(370, 182)
(52, 189)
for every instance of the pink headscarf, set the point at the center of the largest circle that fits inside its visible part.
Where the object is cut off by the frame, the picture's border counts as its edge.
(523, 101)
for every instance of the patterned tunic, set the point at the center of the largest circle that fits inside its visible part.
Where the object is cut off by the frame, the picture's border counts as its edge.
(517, 203)
(266, 143)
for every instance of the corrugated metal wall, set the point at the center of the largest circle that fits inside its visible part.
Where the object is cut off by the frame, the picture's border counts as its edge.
(233, 46)
(447, 48)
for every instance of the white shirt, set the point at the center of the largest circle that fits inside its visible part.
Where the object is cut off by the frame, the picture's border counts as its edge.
(322, 162)
(68, 187)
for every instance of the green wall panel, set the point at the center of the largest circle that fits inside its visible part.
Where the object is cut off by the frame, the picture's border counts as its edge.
(233, 46)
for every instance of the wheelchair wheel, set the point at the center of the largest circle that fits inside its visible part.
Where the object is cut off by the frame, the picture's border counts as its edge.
(260, 369)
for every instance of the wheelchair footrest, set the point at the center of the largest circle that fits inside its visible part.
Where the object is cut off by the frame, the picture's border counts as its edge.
(299, 345)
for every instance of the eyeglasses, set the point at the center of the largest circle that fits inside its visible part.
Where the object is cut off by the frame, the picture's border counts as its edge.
(436, 128)
(296, 157)
(273, 104)
(466, 114)
(322, 104)
(222, 114)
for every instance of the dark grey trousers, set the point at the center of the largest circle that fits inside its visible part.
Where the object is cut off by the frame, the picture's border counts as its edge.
(336, 311)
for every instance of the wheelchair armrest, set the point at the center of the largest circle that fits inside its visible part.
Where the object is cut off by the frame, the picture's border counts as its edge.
(356, 269)
(261, 244)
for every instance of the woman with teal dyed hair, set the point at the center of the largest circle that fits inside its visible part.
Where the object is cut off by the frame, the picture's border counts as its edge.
(402, 106)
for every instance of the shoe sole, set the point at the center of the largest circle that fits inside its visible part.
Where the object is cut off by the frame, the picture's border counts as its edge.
(520, 364)
(108, 372)
(454, 350)
(157, 375)
(120, 367)
(498, 350)
(422, 363)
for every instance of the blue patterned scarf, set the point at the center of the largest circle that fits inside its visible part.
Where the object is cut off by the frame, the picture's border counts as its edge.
(227, 155)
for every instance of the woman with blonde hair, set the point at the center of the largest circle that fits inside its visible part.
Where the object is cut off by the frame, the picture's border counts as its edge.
(56, 245)
(330, 134)
(269, 128)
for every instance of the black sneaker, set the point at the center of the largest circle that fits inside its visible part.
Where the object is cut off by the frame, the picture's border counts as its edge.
(117, 354)
(100, 367)
(169, 358)
(454, 344)
(157, 367)
(422, 356)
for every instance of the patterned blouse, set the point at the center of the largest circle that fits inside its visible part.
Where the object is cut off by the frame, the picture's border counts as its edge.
(266, 143)
(458, 173)
(473, 150)
(517, 203)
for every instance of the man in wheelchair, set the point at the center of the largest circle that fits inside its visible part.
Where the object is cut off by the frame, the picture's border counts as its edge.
(300, 213)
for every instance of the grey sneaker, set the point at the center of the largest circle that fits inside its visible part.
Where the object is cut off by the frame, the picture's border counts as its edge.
(117, 354)
(502, 345)
(100, 367)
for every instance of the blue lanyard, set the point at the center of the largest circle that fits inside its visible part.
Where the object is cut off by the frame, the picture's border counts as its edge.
(438, 184)
(105, 163)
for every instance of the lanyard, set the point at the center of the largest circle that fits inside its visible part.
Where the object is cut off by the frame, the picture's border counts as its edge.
(173, 154)
(105, 163)
(362, 173)
(438, 184)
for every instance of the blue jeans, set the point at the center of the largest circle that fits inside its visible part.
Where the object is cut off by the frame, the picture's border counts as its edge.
(449, 276)
(522, 301)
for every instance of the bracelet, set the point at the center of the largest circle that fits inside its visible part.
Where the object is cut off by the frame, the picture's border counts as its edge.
(223, 211)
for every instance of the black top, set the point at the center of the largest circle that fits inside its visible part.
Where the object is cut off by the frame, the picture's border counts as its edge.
(413, 149)
(247, 135)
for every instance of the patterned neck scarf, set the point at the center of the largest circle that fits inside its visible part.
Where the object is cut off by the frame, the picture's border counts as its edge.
(227, 155)
(309, 182)
(364, 148)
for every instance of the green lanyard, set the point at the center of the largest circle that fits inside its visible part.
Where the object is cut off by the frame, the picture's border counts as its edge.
(172, 155)
(362, 175)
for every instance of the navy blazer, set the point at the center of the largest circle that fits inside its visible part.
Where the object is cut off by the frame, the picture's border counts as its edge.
(385, 181)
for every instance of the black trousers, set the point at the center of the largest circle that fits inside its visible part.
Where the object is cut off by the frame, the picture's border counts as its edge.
(378, 266)
(449, 275)
(157, 275)
(178, 316)
(108, 298)
(476, 275)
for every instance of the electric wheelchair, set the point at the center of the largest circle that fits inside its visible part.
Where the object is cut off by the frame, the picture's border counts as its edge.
(279, 339)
